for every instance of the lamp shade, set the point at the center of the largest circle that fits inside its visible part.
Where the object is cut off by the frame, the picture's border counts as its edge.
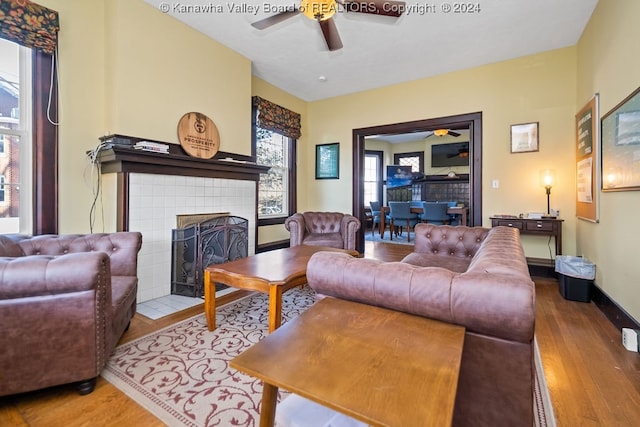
(318, 9)
(547, 178)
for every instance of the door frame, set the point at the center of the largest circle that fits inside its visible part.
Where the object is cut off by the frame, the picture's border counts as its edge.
(471, 121)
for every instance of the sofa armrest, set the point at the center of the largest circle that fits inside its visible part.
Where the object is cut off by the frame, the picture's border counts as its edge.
(121, 247)
(349, 226)
(295, 225)
(498, 305)
(56, 320)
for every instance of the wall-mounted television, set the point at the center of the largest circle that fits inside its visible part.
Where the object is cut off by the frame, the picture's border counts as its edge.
(398, 176)
(453, 154)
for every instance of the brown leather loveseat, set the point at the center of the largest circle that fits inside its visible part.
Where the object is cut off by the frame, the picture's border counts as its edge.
(469, 276)
(65, 301)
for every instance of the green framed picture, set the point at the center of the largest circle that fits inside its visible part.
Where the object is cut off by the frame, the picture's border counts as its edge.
(328, 161)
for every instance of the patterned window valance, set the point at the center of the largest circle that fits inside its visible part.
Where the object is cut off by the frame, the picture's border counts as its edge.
(29, 24)
(276, 118)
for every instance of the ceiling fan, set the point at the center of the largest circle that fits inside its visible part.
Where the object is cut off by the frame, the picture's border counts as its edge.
(443, 132)
(323, 11)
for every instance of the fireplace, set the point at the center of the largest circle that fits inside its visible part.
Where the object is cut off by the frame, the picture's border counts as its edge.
(197, 245)
(148, 192)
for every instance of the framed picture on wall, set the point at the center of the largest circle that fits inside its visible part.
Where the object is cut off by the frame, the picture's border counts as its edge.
(524, 137)
(328, 161)
(621, 145)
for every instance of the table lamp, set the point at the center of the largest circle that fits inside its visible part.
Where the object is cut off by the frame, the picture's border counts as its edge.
(547, 180)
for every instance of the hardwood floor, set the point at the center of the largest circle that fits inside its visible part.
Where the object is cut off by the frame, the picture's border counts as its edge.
(592, 379)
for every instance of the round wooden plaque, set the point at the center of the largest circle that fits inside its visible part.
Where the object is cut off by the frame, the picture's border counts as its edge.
(198, 135)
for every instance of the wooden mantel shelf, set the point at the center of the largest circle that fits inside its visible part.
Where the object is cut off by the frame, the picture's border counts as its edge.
(125, 159)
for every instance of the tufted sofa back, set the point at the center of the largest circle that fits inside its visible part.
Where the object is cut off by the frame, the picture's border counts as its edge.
(122, 250)
(446, 240)
(322, 222)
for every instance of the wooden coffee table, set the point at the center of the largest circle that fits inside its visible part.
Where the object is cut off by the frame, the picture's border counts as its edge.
(380, 366)
(272, 273)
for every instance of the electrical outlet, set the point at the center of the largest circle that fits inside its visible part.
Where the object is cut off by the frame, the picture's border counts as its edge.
(630, 339)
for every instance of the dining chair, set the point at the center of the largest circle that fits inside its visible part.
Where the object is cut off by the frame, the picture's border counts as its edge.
(375, 212)
(434, 212)
(401, 212)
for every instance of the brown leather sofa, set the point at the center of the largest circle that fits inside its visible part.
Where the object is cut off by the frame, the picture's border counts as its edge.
(474, 277)
(65, 301)
(332, 229)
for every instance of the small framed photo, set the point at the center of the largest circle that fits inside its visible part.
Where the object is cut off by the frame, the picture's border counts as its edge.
(328, 161)
(524, 137)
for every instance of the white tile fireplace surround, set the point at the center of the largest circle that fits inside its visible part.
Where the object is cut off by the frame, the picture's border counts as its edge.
(154, 202)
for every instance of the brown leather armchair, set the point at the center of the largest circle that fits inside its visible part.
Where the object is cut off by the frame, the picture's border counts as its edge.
(65, 301)
(332, 229)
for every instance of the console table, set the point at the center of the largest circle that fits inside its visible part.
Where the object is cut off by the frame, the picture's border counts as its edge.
(539, 227)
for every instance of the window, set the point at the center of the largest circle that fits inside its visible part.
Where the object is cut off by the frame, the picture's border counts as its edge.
(15, 129)
(274, 134)
(415, 160)
(372, 177)
(30, 72)
(272, 149)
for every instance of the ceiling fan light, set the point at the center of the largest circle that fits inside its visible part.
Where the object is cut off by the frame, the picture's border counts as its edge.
(318, 10)
(440, 132)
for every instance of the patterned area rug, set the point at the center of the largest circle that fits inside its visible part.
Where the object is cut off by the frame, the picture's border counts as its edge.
(181, 373)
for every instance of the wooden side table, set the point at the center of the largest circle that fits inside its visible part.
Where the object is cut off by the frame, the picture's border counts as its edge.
(540, 227)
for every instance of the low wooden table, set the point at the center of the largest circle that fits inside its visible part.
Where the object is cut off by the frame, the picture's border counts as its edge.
(380, 366)
(272, 273)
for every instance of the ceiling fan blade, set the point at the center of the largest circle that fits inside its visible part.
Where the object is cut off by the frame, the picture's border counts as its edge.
(376, 7)
(330, 32)
(454, 134)
(275, 19)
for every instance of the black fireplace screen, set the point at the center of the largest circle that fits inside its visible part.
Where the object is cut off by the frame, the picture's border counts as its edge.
(194, 248)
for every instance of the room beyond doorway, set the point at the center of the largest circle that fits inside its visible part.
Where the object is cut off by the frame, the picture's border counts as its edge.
(470, 121)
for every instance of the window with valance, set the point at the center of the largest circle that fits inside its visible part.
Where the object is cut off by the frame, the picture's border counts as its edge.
(36, 27)
(275, 131)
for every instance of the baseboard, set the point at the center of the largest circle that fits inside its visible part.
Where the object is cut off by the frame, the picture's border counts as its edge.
(616, 314)
(541, 267)
(279, 244)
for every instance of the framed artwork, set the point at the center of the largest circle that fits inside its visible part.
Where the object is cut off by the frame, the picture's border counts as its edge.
(588, 161)
(524, 137)
(328, 161)
(621, 145)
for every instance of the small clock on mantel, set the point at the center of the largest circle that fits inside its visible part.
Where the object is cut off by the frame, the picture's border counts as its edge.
(198, 135)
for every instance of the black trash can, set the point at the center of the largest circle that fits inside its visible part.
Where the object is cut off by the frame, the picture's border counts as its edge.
(575, 277)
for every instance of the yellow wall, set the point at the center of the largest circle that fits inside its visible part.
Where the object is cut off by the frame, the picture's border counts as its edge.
(609, 63)
(537, 88)
(127, 68)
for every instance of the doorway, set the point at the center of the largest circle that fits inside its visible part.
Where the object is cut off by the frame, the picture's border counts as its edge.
(470, 121)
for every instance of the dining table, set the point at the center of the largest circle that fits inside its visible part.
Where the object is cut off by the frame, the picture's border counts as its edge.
(451, 210)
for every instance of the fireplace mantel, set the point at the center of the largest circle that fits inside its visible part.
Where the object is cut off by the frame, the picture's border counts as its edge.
(125, 159)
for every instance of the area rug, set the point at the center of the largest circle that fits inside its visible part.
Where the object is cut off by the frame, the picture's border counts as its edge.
(398, 240)
(181, 373)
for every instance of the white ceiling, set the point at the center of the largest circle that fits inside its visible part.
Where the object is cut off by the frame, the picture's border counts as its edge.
(378, 50)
